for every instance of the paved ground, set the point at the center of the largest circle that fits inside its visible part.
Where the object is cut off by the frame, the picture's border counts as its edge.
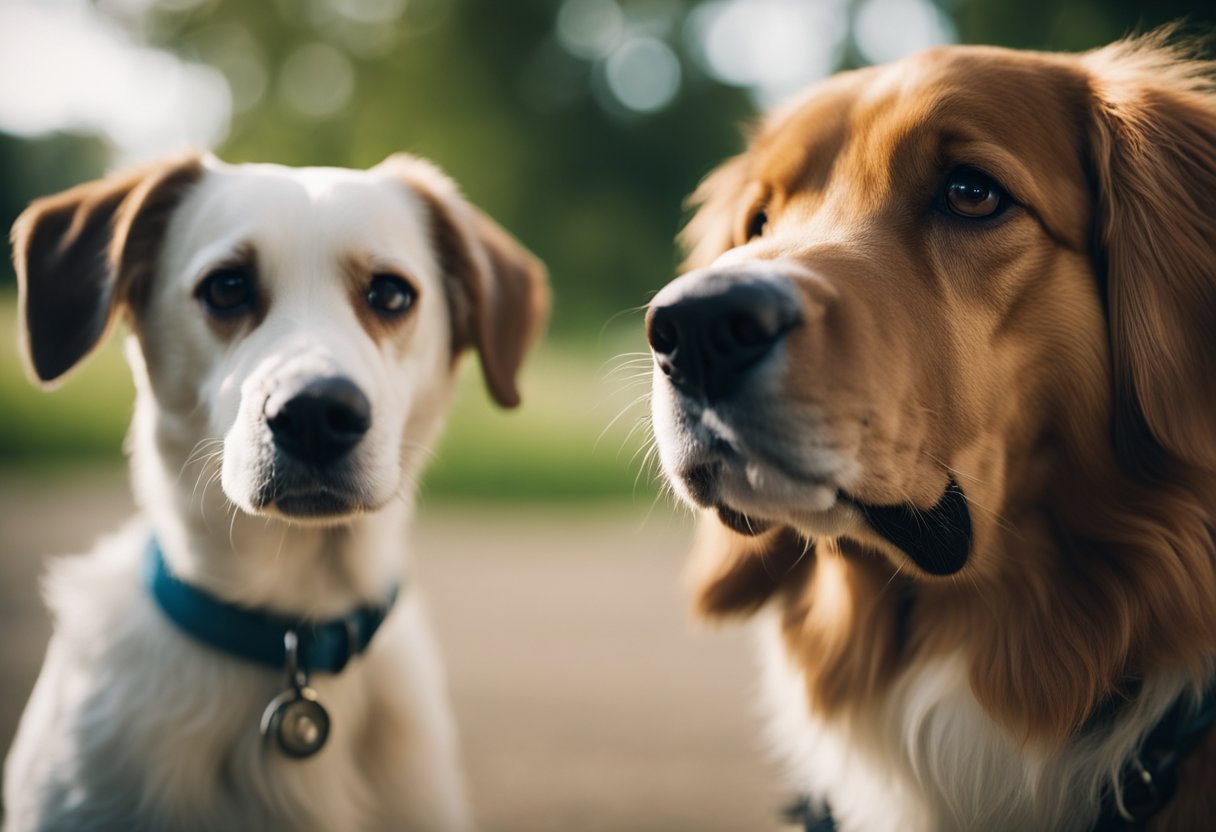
(587, 699)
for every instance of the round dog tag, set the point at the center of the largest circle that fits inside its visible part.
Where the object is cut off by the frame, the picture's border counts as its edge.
(296, 722)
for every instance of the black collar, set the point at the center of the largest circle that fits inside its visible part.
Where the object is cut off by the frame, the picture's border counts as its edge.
(1148, 782)
(1150, 777)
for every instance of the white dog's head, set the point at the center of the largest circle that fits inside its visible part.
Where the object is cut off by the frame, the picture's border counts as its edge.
(308, 319)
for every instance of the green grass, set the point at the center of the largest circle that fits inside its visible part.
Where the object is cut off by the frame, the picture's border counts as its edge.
(558, 446)
(82, 423)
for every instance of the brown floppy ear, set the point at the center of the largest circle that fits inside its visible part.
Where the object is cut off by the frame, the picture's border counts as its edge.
(497, 290)
(1154, 148)
(711, 231)
(733, 574)
(82, 254)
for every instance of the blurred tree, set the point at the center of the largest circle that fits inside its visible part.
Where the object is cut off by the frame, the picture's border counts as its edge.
(492, 92)
(30, 168)
(1073, 25)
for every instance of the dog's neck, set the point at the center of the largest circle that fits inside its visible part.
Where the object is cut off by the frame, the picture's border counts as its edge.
(262, 562)
(1071, 606)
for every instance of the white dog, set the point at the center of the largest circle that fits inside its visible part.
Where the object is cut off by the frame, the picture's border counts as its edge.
(294, 335)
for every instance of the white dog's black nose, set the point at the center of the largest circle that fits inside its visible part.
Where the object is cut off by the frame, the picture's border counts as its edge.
(711, 332)
(321, 422)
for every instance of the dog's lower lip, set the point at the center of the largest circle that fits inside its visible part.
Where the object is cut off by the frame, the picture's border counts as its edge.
(319, 503)
(742, 523)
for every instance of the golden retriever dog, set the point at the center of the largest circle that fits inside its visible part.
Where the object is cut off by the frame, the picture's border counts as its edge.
(941, 378)
(250, 653)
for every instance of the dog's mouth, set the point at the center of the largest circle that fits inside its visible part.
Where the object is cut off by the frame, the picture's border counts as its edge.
(318, 503)
(312, 496)
(937, 539)
(742, 523)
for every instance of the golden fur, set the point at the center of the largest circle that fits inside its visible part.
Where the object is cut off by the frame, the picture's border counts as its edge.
(1059, 361)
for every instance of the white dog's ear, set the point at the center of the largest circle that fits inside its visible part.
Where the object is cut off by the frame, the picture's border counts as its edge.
(497, 290)
(83, 254)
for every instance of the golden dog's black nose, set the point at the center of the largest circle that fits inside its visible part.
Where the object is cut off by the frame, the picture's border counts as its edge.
(705, 339)
(321, 422)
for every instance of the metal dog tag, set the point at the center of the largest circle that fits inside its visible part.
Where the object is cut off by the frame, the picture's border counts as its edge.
(295, 720)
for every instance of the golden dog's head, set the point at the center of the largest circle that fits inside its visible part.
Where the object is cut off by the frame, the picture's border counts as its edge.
(944, 314)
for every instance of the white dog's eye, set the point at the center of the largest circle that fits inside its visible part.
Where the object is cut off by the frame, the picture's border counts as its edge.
(227, 291)
(390, 295)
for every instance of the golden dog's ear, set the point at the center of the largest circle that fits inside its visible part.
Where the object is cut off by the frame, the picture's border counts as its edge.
(711, 231)
(733, 574)
(497, 290)
(82, 254)
(1154, 149)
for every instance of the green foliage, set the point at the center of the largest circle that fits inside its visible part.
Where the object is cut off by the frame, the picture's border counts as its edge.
(483, 88)
(566, 443)
(31, 169)
(82, 423)
(558, 446)
(597, 196)
(1072, 25)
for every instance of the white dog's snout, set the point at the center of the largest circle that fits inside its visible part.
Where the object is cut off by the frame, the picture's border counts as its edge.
(321, 422)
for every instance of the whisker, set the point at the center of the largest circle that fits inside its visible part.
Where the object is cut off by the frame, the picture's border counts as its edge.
(614, 420)
(625, 359)
(1003, 522)
(431, 453)
(953, 470)
(899, 568)
(650, 455)
(232, 528)
(642, 422)
(648, 447)
(629, 364)
(807, 545)
(632, 310)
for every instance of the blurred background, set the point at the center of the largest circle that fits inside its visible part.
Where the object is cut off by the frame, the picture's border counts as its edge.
(580, 125)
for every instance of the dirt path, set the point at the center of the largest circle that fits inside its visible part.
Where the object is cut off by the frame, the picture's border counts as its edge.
(586, 698)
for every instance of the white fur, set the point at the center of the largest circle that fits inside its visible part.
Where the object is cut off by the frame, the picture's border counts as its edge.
(133, 724)
(931, 760)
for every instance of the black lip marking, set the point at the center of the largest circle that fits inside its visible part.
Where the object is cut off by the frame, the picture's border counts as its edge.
(938, 540)
(741, 523)
(320, 503)
(702, 482)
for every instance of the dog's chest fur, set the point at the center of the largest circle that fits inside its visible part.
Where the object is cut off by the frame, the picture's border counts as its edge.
(929, 759)
(162, 732)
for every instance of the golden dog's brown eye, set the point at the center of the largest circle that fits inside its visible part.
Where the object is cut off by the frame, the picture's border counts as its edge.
(227, 292)
(973, 194)
(390, 295)
(755, 226)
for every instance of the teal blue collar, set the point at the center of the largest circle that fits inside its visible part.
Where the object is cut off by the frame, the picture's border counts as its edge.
(258, 636)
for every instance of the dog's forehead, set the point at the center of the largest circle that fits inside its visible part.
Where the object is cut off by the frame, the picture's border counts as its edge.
(1018, 116)
(1003, 93)
(282, 211)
